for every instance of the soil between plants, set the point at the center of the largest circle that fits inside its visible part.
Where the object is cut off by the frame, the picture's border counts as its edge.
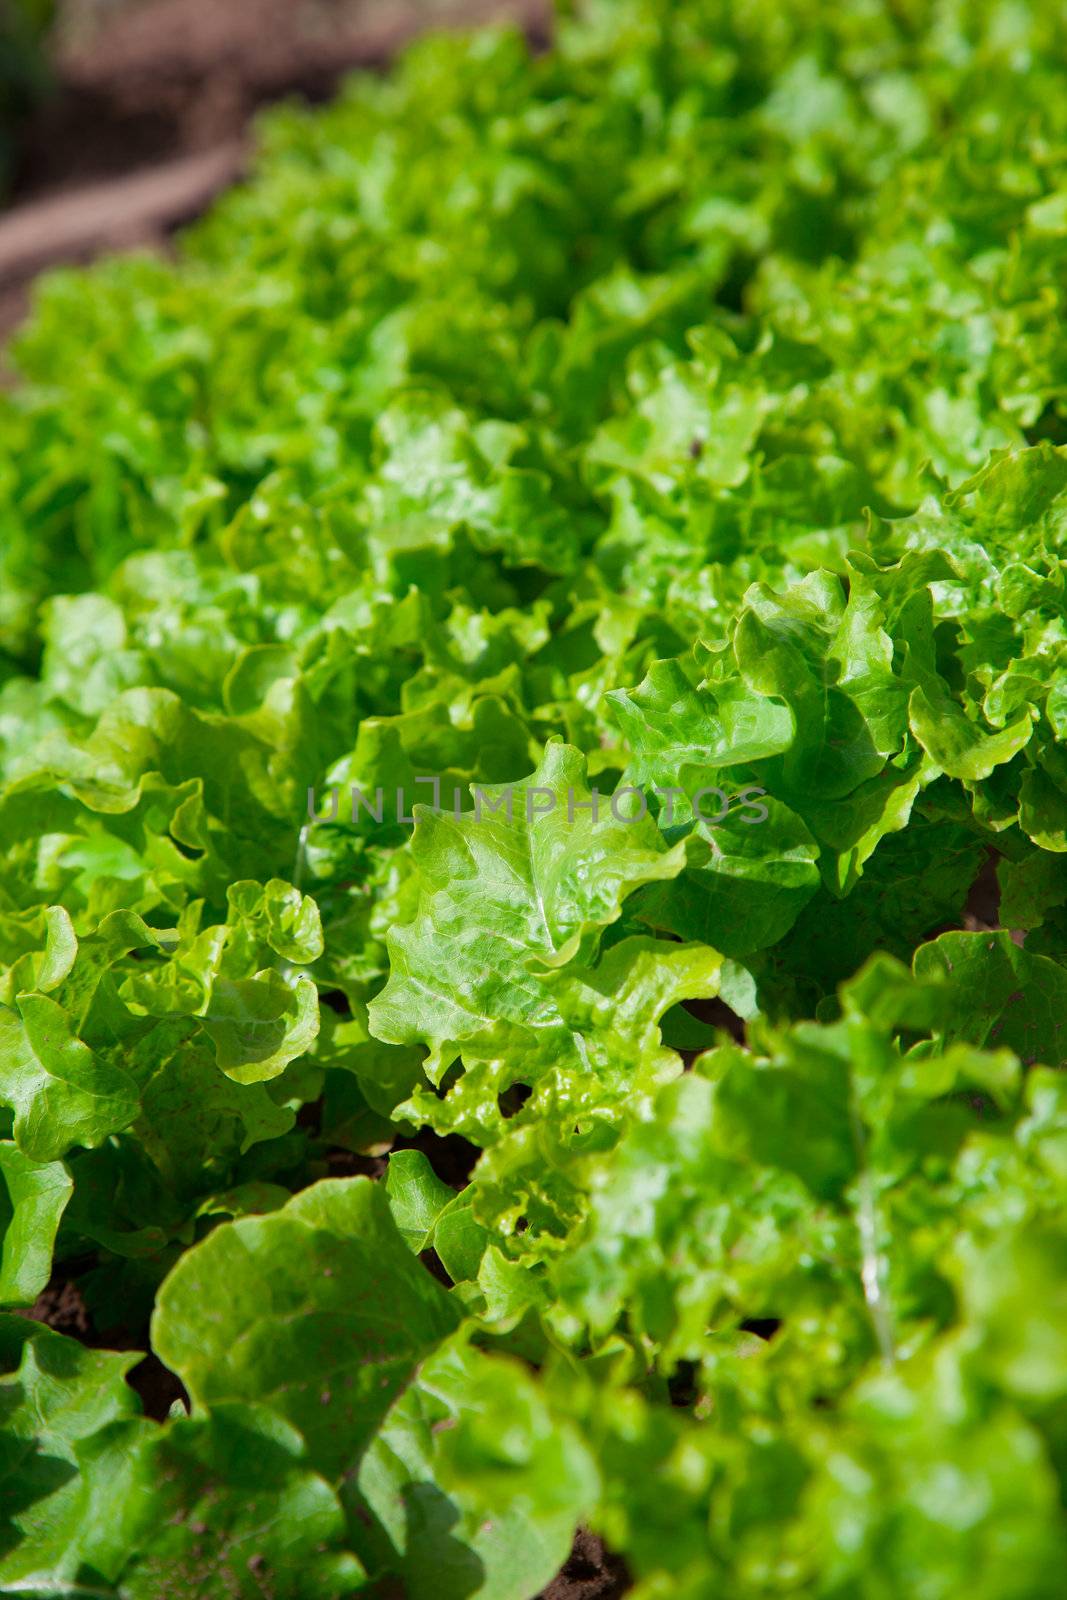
(590, 1572)
(62, 1307)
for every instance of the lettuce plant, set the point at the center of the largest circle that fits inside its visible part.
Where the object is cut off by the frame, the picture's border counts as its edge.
(555, 441)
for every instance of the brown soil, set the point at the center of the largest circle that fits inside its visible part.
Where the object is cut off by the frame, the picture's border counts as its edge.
(983, 901)
(982, 912)
(590, 1573)
(150, 115)
(62, 1307)
(117, 214)
(165, 78)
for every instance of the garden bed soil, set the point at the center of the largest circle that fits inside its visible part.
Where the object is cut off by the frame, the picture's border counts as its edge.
(146, 82)
(590, 1573)
(150, 113)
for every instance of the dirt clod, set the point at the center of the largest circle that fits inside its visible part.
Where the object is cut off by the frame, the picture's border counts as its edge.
(158, 1387)
(589, 1573)
(61, 1307)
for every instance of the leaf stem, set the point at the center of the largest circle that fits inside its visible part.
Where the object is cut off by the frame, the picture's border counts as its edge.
(872, 1258)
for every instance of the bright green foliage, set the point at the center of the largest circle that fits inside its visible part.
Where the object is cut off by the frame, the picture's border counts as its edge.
(59, 1401)
(473, 1485)
(647, 459)
(320, 1310)
(31, 1205)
